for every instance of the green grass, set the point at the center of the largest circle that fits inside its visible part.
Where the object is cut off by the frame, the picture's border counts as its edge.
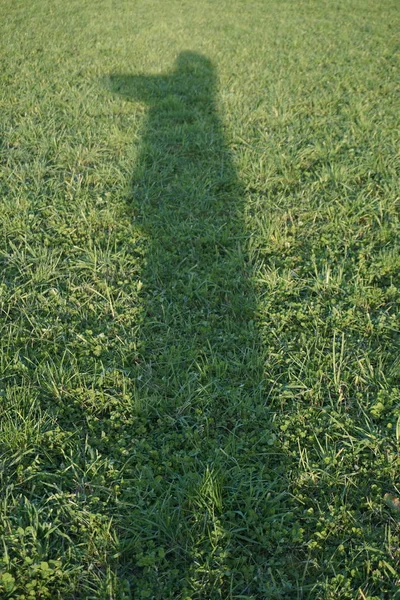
(200, 391)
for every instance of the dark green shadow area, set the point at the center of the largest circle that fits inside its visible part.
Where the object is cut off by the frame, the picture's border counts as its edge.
(186, 196)
(207, 471)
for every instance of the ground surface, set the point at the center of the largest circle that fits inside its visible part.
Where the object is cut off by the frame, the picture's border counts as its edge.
(199, 304)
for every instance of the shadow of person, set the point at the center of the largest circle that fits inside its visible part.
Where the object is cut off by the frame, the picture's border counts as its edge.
(187, 198)
(200, 372)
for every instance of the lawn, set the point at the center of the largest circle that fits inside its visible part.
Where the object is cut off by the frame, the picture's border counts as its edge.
(199, 299)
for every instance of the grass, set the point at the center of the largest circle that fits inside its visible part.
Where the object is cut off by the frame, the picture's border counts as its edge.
(200, 393)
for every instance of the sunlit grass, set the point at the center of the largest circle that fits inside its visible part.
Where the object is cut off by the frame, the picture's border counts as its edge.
(199, 300)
